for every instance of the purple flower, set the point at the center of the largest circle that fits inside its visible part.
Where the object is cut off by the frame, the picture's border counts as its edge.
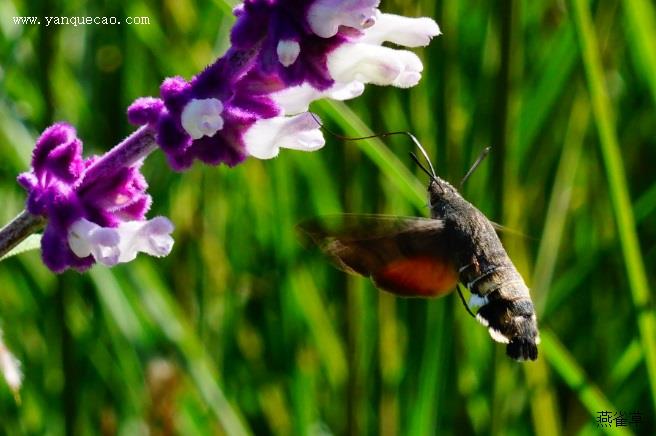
(284, 55)
(208, 119)
(296, 36)
(68, 190)
(250, 102)
(328, 48)
(360, 58)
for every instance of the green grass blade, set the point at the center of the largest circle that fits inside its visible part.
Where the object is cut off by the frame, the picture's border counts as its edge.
(327, 341)
(544, 403)
(628, 361)
(554, 220)
(646, 204)
(114, 300)
(641, 23)
(568, 369)
(619, 191)
(167, 315)
(543, 99)
(427, 407)
(396, 171)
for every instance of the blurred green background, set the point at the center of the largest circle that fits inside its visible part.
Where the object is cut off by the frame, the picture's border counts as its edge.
(242, 329)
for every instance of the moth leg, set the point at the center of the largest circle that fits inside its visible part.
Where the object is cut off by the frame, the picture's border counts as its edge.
(464, 303)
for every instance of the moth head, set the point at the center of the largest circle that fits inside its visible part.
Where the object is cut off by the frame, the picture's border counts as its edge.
(440, 190)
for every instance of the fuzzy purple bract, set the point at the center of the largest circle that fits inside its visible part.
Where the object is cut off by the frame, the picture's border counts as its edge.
(57, 190)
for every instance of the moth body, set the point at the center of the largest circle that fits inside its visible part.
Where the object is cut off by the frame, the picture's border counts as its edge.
(428, 257)
(484, 267)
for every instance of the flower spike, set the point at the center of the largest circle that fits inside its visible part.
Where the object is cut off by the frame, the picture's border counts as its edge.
(298, 51)
(90, 215)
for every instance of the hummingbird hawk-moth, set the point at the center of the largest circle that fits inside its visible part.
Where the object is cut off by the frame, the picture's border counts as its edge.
(428, 257)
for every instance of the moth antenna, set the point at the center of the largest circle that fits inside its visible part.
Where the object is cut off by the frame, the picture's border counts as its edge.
(423, 152)
(462, 298)
(420, 165)
(412, 137)
(479, 159)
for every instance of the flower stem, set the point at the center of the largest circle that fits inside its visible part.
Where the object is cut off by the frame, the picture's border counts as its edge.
(18, 229)
(130, 151)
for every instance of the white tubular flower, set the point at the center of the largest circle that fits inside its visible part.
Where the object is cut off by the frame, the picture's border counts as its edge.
(86, 238)
(346, 91)
(410, 74)
(367, 61)
(202, 117)
(288, 51)
(10, 367)
(297, 99)
(325, 16)
(357, 57)
(375, 64)
(152, 237)
(301, 132)
(110, 246)
(405, 31)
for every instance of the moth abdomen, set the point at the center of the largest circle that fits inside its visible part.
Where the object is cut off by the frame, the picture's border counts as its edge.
(511, 320)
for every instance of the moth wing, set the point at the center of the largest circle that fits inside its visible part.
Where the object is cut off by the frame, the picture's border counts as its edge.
(501, 229)
(406, 256)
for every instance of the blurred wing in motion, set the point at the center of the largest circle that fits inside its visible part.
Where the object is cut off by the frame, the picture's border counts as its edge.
(405, 256)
